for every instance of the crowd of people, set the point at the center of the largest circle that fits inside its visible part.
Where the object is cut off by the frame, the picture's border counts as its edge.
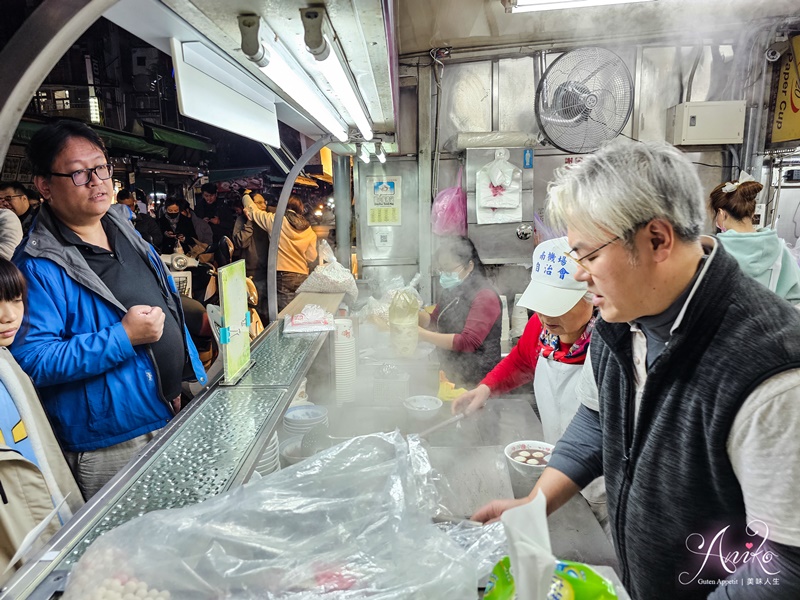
(665, 363)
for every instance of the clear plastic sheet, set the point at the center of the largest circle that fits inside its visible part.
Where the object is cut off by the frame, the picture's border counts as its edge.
(352, 522)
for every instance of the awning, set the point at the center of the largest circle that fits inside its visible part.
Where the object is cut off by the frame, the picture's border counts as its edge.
(301, 180)
(113, 139)
(168, 135)
(230, 174)
(322, 177)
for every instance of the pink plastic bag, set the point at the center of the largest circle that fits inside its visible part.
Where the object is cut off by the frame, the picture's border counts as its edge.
(449, 212)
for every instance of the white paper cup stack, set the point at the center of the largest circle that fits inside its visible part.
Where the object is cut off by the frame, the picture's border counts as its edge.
(346, 359)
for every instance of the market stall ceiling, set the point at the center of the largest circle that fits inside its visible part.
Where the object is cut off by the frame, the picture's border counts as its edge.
(359, 27)
(473, 24)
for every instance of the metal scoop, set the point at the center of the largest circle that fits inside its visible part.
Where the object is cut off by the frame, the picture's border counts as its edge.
(439, 426)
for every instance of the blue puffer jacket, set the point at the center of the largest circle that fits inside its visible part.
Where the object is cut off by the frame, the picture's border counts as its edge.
(97, 389)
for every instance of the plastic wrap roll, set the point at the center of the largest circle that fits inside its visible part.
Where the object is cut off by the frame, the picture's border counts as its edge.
(490, 139)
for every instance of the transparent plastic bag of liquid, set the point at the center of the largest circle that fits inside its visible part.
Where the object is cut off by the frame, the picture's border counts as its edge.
(403, 322)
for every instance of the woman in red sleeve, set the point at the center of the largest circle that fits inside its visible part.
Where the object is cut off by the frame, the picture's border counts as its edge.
(553, 346)
(465, 325)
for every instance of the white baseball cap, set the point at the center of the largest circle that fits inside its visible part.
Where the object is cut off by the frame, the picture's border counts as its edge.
(553, 289)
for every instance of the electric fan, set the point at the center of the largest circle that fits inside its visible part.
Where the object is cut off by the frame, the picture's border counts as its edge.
(584, 98)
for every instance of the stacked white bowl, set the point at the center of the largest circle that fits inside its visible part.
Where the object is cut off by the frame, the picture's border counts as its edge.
(270, 460)
(299, 419)
(346, 359)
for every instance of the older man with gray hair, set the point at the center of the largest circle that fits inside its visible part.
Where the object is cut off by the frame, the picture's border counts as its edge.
(690, 397)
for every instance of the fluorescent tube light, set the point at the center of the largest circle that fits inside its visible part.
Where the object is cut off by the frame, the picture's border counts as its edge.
(364, 154)
(539, 5)
(334, 72)
(286, 78)
(380, 153)
(283, 71)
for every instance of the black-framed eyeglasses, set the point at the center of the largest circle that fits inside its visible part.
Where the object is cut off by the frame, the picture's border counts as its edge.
(579, 259)
(84, 176)
(10, 198)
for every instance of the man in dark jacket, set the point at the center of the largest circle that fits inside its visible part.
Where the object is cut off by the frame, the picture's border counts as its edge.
(214, 212)
(146, 225)
(14, 196)
(691, 394)
(106, 343)
(176, 228)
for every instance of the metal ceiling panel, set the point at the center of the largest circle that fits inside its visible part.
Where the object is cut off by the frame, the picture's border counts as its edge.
(471, 24)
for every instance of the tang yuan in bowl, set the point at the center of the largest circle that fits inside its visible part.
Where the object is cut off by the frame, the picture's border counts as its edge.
(529, 457)
(422, 408)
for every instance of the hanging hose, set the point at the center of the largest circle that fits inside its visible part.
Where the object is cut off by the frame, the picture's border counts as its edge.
(698, 54)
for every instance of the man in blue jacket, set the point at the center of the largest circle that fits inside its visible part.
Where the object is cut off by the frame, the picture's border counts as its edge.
(106, 346)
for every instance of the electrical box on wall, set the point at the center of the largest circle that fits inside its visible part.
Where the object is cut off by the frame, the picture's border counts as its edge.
(699, 123)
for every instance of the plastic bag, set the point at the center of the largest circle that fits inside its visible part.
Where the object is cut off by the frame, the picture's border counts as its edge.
(325, 252)
(312, 318)
(329, 278)
(498, 191)
(377, 310)
(351, 523)
(449, 211)
(403, 322)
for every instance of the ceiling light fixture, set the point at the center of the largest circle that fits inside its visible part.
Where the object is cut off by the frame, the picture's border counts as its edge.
(332, 68)
(363, 153)
(517, 6)
(281, 69)
(379, 153)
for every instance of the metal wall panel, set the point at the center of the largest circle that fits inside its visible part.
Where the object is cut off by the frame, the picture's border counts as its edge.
(660, 86)
(404, 241)
(466, 99)
(517, 95)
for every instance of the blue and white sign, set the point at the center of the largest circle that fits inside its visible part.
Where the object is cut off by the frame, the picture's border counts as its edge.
(527, 158)
(384, 195)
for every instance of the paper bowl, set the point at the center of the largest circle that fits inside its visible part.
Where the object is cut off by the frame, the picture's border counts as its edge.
(422, 408)
(530, 446)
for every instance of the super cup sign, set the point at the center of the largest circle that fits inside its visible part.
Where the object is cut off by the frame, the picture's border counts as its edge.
(786, 118)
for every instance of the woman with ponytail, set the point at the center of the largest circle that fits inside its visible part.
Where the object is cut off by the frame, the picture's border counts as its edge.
(761, 254)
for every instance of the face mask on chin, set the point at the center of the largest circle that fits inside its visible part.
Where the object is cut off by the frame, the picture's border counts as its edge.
(449, 280)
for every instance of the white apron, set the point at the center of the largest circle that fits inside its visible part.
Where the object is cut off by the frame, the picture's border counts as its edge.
(555, 385)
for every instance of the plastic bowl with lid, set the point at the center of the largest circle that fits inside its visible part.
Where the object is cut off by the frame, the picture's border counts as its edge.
(422, 408)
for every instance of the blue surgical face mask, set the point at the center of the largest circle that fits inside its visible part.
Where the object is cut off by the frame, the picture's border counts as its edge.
(449, 280)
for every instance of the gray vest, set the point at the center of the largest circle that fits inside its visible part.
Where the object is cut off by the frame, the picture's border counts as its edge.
(670, 476)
